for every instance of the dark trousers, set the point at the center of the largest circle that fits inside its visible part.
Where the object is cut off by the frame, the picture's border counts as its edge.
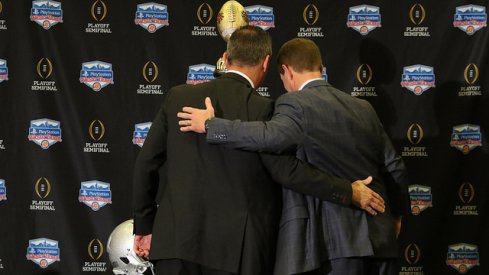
(357, 266)
(182, 267)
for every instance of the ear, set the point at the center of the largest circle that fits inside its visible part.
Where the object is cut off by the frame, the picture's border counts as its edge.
(287, 72)
(266, 63)
(225, 59)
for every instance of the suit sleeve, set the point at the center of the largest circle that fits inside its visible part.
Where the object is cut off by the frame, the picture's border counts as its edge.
(301, 177)
(394, 173)
(146, 178)
(282, 133)
(304, 178)
(395, 178)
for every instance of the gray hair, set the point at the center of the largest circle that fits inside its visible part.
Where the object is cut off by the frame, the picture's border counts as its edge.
(248, 46)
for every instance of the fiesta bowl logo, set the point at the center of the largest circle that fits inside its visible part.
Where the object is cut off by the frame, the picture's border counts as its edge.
(95, 194)
(3, 70)
(462, 256)
(45, 132)
(151, 16)
(418, 78)
(200, 73)
(466, 137)
(43, 252)
(421, 198)
(3, 190)
(261, 16)
(46, 13)
(470, 18)
(96, 74)
(364, 18)
(140, 132)
(324, 74)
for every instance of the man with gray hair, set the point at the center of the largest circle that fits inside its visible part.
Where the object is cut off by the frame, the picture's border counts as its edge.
(220, 208)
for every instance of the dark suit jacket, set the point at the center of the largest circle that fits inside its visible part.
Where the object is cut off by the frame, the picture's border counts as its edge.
(220, 207)
(339, 134)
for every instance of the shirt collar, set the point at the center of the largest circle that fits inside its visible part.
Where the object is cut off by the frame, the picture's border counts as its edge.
(243, 75)
(309, 81)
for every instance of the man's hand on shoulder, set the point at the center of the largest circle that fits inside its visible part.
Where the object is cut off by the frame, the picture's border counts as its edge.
(366, 199)
(193, 119)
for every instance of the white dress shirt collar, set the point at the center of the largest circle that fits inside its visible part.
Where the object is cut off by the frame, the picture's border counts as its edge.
(243, 75)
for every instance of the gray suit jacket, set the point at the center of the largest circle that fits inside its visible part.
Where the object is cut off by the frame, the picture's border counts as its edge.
(339, 134)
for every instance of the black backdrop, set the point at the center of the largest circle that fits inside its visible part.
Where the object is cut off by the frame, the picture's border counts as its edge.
(40, 195)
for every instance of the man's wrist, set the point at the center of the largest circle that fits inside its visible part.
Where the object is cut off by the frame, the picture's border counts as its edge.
(206, 124)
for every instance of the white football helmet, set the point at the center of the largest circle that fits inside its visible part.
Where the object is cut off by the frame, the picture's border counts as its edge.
(121, 254)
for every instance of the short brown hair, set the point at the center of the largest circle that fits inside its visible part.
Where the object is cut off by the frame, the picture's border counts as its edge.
(248, 46)
(301, 54)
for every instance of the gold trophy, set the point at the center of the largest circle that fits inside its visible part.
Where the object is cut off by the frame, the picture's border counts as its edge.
(231, 17)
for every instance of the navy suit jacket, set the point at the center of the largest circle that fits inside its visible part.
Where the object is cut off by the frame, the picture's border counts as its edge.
(339, 134)
(219, 208)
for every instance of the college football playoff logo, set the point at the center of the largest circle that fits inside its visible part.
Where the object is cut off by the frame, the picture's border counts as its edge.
(95, 249)
(417, 14)
(310, 14)
(412, 254)
(471, 73)
(415, 134)
(43, 188)
(44, 68)
(466, 192)
(150, 71)
(96, 130)
(205, 13)
(99, 10)
(364, 74)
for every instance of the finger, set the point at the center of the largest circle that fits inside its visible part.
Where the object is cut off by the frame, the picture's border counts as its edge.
(186, 129)
(184, 115)
(378, 197)
(378, 207)
(184, 122)
(367, 181)
(146, 253)
(371, 211)
(208, 103)
(190, 110)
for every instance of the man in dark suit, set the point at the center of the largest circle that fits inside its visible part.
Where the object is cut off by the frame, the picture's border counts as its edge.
(336, 133)
(220, 209)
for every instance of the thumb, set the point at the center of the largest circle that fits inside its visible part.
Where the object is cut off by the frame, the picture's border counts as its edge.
(208, 103)
(368, 180)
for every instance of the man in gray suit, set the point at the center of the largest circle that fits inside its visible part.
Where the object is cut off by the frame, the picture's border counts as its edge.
(338, 134)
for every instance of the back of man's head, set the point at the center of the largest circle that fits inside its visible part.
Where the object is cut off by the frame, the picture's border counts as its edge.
(248, 46)
(301, 54)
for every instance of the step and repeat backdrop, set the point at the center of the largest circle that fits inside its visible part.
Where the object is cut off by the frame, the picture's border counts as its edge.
(80, 82)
